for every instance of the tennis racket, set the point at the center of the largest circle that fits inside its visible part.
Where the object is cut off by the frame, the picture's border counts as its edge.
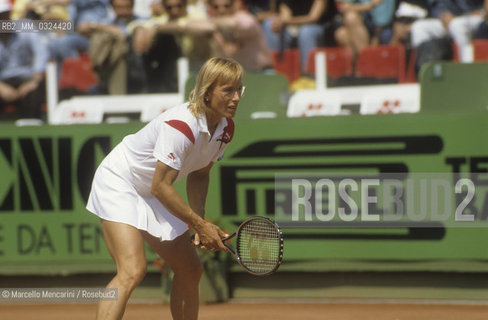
(258, 245)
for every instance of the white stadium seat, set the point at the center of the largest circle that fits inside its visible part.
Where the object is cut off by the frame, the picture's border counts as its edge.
(379, 101)
(306, 103)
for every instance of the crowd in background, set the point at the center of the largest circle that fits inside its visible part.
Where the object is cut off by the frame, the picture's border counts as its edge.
(134, 44)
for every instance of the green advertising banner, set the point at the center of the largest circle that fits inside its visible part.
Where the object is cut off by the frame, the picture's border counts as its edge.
(46, 174)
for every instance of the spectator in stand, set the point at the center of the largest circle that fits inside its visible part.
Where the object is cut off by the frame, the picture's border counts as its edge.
(23, 59)
(157, 9)
(261, 9)
(457, 19)
(407, 13)
(238, 35)
(180, 31)
(482, 32)
(304, 21)
(142, 8)
(70, 45)
(364, 22)
(40, 9)
(117, 66)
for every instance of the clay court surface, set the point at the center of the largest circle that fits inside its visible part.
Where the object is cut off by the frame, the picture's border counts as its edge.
(259, 311)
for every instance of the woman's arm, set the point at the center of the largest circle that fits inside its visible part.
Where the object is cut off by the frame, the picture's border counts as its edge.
(286, 16)
(318, 8)
(162, 188)
(228, 48)
(7, 92)
(197, 184)
(142, 38)
(360, 7)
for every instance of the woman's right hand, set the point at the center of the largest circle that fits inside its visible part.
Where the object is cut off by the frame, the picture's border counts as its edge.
(208, 236)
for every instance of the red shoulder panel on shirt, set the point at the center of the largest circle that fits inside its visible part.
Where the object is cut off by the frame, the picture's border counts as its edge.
(183, 127)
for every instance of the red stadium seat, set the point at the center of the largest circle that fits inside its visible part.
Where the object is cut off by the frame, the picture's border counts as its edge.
(480, 49)
(10, 108)
(338, 61)
(287, 63)
(455, 52)
(382, 62)
(77, 73)
(410, 75)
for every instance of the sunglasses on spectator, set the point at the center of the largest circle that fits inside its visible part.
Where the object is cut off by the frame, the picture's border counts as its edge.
(226, 6)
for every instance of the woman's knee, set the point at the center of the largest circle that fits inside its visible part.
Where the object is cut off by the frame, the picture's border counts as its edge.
(341, 36)
(198, 269)
(352, 18)
(426, 29)
(191, 270)
(460, 31)
(131, 275)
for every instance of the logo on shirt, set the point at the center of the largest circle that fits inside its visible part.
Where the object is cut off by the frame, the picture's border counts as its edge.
(172, 156)
(228, 133)
(225, 137)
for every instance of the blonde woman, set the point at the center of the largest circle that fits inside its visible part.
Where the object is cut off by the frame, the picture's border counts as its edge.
(133, 191)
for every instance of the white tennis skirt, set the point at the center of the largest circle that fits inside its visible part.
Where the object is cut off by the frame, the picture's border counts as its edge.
(114, 198)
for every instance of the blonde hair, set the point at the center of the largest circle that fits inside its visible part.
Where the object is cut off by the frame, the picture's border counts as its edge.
(214, 71)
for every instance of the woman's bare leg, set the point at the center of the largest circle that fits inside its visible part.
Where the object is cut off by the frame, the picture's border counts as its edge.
(358, 32)
(181, 256)
(126, 246)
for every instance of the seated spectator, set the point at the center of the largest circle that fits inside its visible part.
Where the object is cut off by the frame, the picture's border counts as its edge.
(180, 31)
(142, 8)
(261, 9)
(239, 35)
(40, 10)
(70, 45)
(118, 68)
(407, 13)
(456, 19)
(23, 60)
(303, 21)
(482, 31)
(363, 22)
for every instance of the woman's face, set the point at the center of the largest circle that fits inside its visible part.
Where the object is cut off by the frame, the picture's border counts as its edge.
(223, 99)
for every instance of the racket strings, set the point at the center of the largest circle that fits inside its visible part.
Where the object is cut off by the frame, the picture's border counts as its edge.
(259, 246)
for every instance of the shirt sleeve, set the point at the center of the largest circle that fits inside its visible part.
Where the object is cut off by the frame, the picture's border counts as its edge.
(174, 143)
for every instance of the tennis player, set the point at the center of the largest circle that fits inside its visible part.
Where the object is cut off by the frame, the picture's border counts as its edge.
(134, 196)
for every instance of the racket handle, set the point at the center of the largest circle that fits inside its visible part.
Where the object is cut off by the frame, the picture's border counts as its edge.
(231, 250)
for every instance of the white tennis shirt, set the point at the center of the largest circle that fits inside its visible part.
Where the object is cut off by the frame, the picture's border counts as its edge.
(121, 187)
(178, 139)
